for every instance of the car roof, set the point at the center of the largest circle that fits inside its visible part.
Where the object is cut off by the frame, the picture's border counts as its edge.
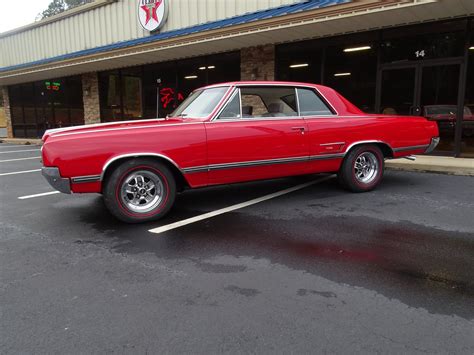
(263, 83)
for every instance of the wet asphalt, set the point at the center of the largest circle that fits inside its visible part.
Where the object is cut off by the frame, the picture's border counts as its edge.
(320, 270)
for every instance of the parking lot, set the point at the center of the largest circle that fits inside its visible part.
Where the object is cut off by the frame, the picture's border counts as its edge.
(307, 268)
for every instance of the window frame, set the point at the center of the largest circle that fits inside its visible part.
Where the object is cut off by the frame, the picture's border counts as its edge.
(330, 108)
(237, 88)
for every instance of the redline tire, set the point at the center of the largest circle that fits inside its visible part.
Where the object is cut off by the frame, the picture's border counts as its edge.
(140, 190)
(362, 169)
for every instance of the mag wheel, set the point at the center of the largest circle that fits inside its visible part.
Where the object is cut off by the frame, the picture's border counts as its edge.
(362, 169)
(140, 190)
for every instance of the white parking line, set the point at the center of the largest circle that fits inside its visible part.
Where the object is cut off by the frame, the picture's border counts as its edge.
(4, 161)
(19, 151)
(39, 195)
(238, 206)
(21, 172)
(3, 145)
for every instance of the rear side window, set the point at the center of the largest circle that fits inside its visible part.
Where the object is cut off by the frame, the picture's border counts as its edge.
(311, 104)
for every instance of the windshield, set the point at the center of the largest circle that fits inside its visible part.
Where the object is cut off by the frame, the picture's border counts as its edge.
(200, 103)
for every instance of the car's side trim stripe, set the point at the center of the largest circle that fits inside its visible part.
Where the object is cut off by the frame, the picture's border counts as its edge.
(249, 164)
(414, 147)
(84, 179)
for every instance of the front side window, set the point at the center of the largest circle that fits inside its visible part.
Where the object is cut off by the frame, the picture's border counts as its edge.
(311, 104)
(232, 109)
(200, 103)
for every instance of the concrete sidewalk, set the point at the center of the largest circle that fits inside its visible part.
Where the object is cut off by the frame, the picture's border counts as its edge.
(427, 163)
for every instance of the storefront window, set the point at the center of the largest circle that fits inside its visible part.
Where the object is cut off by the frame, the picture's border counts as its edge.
(351, 69)
(157, 89)
(41, 105)
(299, 62)
(422, 42)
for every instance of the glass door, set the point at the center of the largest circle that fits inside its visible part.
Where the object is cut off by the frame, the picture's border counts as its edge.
(438, 101)
(429, 89)
(398, 91)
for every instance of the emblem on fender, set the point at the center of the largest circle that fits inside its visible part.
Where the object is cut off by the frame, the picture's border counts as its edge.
(152, 14)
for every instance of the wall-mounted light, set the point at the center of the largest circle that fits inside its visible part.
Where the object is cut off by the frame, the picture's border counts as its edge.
(342, 74)
(191, 77)
(301, 65)
(356, 49)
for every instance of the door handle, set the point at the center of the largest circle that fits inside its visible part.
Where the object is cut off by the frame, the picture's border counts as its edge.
(301, 129)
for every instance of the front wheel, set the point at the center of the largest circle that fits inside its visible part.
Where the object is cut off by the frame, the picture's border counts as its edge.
(140, 190)
(362, 169)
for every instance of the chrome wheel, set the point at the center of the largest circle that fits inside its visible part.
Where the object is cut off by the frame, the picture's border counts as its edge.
(142, 191)
(366, 167)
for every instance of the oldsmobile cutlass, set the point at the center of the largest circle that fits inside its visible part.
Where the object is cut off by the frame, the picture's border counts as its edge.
(229, 133)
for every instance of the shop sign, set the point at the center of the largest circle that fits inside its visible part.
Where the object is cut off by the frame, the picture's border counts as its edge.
(152, 14)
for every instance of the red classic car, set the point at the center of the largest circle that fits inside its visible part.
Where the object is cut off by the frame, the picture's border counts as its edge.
(229, 133)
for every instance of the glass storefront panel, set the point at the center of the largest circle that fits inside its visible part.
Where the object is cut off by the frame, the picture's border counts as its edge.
(299, 62)
(42, 105)
(398, 91)
(422, 42)
(157, 89)
(439, 100)
(351, 69)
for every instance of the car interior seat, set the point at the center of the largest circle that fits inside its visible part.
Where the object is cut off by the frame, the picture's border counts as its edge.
(275, 109)
(247, 111)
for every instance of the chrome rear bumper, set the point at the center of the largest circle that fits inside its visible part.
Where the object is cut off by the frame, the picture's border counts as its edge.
(53, 177)
(434, 143)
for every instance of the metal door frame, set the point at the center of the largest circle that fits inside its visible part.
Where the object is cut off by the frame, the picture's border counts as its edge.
(418, 66)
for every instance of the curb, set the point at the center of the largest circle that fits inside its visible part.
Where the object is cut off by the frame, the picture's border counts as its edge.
(24, 141)
(438, 165)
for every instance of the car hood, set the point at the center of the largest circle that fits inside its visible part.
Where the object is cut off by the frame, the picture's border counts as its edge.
(109, 126)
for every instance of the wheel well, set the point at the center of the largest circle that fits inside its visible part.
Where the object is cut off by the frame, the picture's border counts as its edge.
(384, 147)
(181, 183)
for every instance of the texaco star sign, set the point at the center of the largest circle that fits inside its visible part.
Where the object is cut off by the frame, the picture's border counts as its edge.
(152, 14)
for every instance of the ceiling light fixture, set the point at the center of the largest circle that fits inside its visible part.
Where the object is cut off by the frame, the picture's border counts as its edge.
(471, 48)
(342, 74)
(202, 68)
(211, 67)
(191, 77)
(302, 65)
(356, 49)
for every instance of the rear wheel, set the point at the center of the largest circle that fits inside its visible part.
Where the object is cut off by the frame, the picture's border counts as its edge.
(362, 169)
(140, 190)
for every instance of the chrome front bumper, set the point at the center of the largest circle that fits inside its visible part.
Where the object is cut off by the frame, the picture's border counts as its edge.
(434, 143)
(53, 177)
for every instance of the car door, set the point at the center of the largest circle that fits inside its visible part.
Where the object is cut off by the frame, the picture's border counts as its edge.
(328, 134)
(258, 135)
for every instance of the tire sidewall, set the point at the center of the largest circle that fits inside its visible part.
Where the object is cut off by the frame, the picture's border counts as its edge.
(349, 173)
(113, 185)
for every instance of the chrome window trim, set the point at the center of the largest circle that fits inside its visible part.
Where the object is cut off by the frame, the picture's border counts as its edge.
(256, 119)
(295, 87)
(135, 155)
(229, 100)
(298, 110)
(325, 102)
(224, 105)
